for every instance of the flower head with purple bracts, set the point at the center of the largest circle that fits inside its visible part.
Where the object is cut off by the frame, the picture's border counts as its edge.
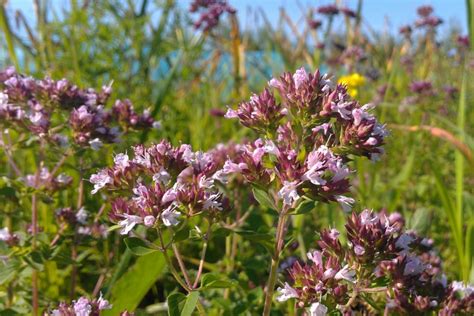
(306, 134)
(161, 185)
(427, 19)
(11, 239)
(329, 10)
(422, 87)
(463, 41)
(211, 11)
(404, 266)
(406, 30)
(424, 10)
(348, 12)
(353, 53)
(314, 24)
(39, 107)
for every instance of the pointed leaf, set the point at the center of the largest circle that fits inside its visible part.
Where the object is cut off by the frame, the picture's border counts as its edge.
(190, 304)
(138, 246)
(175, 300)
(263, 198)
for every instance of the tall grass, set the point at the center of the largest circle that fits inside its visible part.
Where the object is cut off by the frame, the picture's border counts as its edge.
(470, 20)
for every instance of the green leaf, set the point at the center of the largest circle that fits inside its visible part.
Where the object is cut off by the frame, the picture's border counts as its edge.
(263, 198)
(216, 281)
(174, 301)
(130, 289)
(419, 221)
(181, 234)
(305, 207)
(8, 271)
(35, 260)
(250, 235)
(8, 192)
(190, 304)
(264, 239)
(221, 232)
(138, 246)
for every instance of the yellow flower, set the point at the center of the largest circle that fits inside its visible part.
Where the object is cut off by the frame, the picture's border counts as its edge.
(352, 82)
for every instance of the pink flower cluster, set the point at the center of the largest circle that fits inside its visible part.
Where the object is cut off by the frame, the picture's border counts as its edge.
(80, 221)
(404, 266)
(306, 139)
(333, 9)
(39, 106)
(161, 184)
(47, 181)
(211, 11)
(330, 10)
(82, 307)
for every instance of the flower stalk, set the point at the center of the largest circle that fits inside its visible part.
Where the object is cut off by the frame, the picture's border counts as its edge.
(272, 278)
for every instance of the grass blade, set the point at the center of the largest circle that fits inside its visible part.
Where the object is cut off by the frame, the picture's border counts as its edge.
(8, 36)
(450, 212)
(165, 90)
(470, 20)
(459, 159)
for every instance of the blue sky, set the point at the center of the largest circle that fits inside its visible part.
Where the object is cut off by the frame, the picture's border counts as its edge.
(376, 12)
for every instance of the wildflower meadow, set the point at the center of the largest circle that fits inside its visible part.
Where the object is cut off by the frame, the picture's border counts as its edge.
(173, 158)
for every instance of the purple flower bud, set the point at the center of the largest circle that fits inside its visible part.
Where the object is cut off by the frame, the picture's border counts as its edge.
(149, 220)
(359, 250)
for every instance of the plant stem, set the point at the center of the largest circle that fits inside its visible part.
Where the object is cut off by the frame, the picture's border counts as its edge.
(280, 236)
(203, 257)
(175, 273)
(34, 231)
(181, 265)
(6, 149)
(74, 242)
(170, 264)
